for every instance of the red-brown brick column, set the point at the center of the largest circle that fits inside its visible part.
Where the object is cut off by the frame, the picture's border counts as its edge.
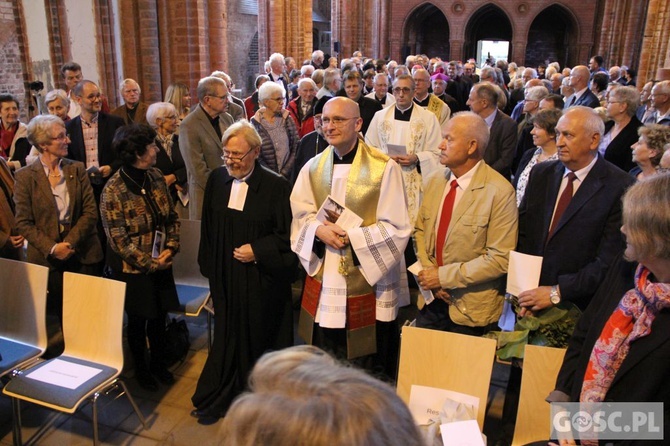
(59, 49)
(284, 27)
(655, 44)
(106, 54)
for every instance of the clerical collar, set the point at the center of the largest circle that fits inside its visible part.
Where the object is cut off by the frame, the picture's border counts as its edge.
(423, 102)
(403, 115)
(346, 159)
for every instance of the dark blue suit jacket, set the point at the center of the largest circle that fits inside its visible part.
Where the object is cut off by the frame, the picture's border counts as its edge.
(588, 99)
(587, 238)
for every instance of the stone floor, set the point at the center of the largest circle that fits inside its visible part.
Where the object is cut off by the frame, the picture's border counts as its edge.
(166, 411)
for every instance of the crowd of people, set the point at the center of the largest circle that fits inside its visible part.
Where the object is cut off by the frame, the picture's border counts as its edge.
(443, 163)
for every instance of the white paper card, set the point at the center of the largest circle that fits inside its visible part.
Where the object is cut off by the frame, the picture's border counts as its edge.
(238, 195)
(415, 269)
(427, 402)
(523, 272)
(337, 213)
(461, 433)
(183, 197)
(64, 373)
(396, 149)
(159, 244)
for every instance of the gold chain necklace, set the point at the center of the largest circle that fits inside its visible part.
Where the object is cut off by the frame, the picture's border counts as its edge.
(142, 189)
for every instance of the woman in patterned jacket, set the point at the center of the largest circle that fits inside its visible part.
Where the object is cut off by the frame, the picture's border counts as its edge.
(143, 235)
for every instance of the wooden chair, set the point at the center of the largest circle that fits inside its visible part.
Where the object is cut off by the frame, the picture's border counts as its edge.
(92, 329)
(447, 361)
(192, 287)
(23, 337)
(540, 369)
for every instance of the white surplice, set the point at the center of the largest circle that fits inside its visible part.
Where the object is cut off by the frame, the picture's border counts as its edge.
(421, 135)
(379, 247)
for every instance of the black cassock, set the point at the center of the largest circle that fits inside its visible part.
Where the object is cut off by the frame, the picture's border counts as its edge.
(252, 301)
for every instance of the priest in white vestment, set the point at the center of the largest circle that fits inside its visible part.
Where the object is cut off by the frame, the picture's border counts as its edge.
(414, 128)
(354, 284)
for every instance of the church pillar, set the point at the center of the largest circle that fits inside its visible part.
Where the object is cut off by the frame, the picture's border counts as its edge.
(284, 27)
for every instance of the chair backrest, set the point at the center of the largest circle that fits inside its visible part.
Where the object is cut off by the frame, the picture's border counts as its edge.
(93, 318)
(185, 265)
(23, 302)
(446, 361)
(540, 369)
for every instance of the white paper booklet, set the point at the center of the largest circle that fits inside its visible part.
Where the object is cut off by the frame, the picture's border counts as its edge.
(64, 373)
(523, 272)
(415, 269)
(425, 403)
(337, 213)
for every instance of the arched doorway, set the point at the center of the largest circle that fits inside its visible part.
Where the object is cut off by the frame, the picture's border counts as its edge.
(489, 23)
(426, 32)
(554, 34)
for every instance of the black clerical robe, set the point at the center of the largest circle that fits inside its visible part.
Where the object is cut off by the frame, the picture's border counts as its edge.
(252, 301)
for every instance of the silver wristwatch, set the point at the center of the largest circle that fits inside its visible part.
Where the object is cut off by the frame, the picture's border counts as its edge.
(554, 295)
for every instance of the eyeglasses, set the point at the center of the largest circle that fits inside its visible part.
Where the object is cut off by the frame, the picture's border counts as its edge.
(61, 137)
(234, 158)
(421, 80)
(613, 102)
(224, 98)
(280, 99)
(336, 121)
(404, 90)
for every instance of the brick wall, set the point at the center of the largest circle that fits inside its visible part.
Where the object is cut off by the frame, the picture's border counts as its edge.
(12, 68)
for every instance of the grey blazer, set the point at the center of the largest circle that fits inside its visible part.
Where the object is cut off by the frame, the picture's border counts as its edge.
(202, 150)
(37, 215)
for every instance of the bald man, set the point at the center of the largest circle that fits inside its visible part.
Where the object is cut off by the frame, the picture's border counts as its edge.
(466, 227)
(353, 287)
(579, 80)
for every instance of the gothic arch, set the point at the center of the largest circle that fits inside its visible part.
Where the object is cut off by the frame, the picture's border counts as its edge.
(426, 31)
(489, 22)
(555, 35)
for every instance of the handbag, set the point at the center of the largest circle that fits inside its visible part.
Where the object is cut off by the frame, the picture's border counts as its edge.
(177, 341)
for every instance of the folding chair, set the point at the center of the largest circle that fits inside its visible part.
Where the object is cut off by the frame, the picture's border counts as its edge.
(92, 329)
(192, 287)
(23, 337)
(540, 369)
(446, 361)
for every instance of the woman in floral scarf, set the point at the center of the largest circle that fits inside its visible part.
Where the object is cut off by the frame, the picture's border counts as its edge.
(620, 349)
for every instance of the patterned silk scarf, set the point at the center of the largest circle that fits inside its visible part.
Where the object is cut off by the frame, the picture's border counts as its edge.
(631, 320)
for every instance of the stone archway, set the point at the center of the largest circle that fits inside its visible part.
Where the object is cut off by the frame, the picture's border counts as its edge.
(488, 23)
(554, 34)
(426, 32)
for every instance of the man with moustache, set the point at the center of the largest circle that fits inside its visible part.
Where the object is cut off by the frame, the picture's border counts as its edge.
(246, 255)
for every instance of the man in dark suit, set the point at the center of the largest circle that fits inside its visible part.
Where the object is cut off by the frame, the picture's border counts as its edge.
(91, 134)
(132, 111)
(571, 216)
(579, 80)
(584, 240)
(501, 148)
(353, 89)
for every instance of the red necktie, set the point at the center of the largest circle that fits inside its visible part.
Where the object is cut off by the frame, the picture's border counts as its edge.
(447, 209)
(563, 202)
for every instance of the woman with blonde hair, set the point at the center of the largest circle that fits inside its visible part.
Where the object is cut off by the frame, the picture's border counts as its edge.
(301, 396)
(648, 150)
(178, 95)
